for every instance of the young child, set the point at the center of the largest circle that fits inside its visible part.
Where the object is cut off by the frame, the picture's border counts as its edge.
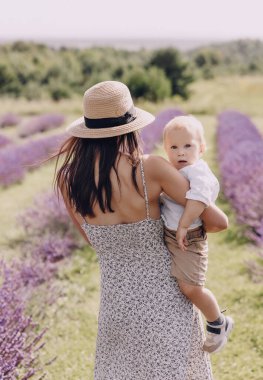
(184, 234)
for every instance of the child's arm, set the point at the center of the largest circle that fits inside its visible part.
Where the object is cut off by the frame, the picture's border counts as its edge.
(192, 211)
(203, 191)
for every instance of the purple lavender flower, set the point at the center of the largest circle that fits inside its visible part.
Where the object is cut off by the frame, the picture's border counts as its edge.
(240, 152)
(9, 119)
(51, 236)
(4, 141)
(54, 247)
(19, 341)
(34, 272)
(11, 170)
(48, 242)
(16, 160)
(40, 124)
(34, 152)
(45, 214)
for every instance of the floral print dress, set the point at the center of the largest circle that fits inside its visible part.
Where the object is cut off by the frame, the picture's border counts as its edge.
(147, 329)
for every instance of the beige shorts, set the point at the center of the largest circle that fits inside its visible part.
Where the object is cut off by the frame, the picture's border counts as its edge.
(189, 266)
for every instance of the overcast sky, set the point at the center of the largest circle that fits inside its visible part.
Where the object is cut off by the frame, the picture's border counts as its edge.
(190, 19)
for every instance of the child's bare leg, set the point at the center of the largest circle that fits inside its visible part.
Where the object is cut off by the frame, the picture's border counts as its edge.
(218, 327)
(202, 298)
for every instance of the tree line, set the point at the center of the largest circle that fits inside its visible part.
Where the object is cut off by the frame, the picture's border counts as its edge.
(37, 71)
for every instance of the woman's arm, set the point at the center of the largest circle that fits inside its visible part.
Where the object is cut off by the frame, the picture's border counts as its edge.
(175, 185)
(169, 179)
(214, 219)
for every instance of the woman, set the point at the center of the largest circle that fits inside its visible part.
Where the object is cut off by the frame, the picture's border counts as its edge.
(147, 329)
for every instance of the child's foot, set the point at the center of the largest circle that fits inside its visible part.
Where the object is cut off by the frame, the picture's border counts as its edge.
(217, 335)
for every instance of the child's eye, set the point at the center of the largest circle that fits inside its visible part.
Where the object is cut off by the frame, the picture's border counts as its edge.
(173, 147)
(188, 145)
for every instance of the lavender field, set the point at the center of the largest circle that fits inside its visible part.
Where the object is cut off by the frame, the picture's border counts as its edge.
(49, 292)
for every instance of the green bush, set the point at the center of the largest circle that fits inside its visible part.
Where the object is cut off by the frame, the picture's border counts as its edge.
(177, 70)
(32, 91)
(59, 91)
(9, 83)
(150, 84)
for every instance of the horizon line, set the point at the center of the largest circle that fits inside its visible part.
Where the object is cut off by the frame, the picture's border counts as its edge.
(137, 38)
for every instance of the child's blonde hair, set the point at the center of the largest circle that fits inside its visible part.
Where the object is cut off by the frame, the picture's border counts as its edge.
(188, 122)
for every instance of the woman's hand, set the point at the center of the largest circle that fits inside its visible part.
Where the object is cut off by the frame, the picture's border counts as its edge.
(214, 219)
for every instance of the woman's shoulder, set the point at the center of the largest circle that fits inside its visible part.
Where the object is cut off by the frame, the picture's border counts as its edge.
(154, 159)
(154, 164)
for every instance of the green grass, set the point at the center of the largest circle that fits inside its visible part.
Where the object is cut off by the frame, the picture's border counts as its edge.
(14, 200)
(72, 321)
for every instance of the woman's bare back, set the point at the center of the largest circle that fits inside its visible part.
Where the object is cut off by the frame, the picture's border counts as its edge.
(128, 204)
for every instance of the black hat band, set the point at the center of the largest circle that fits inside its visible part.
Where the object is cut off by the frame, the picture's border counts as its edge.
(110, 122)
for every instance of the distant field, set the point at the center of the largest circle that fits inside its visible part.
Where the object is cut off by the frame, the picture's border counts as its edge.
(209, 97)
(73, 321)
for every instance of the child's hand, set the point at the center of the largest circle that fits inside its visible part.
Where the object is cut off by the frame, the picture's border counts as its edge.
(181, 237)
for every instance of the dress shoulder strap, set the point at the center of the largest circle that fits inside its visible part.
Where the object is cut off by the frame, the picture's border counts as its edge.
(83, 219)
(145, 191)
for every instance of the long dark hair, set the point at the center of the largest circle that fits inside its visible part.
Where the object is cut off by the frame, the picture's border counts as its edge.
(77, 173)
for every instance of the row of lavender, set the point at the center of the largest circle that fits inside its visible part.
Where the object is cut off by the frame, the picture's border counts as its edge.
(36, 124)
(16, 160)
(50, 238)
(240, 153)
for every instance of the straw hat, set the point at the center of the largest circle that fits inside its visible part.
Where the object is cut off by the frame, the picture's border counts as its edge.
(108, 111)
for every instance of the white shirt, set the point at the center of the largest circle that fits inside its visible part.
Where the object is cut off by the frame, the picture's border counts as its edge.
(204, 187)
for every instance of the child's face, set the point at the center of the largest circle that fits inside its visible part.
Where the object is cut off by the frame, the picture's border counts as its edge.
(182, 146)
